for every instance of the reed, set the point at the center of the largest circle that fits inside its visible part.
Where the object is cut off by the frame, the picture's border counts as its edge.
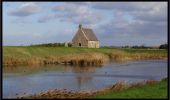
(74, 56)
(84, 59)
(145, 88)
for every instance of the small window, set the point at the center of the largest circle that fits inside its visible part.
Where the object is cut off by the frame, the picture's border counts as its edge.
(79, 44)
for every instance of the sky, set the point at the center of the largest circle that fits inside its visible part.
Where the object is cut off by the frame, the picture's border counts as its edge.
(114, 23)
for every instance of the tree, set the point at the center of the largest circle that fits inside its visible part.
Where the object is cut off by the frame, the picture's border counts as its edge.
(163, 46)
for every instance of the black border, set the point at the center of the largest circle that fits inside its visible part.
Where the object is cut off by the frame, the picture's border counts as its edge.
(1, 28)
(1, 51)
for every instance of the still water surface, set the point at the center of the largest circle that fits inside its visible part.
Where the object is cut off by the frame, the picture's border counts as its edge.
(18, 80)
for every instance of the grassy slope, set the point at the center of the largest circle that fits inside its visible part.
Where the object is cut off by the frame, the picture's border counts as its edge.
(158, 90)
(23, 51)
(18, 51)
(26, 53)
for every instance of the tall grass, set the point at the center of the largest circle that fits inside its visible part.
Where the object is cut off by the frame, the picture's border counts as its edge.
(146, 89)
(75, 56)
(84, 59)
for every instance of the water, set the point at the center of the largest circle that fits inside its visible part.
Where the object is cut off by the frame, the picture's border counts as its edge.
(34, 79)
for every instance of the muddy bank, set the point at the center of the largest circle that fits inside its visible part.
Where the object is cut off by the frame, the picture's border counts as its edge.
(65, 94)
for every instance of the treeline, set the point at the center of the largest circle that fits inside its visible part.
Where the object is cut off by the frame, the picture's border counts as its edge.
(53, 45)
(140, 47)
(50, 45)
(162, 46)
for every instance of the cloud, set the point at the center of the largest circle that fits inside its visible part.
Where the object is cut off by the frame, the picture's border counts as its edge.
(83, 12)
(25, 9)
(75, 13)
(146, 22)
(46, 18)
(70, 6)
(120, 31)
(156, 14)
(124, 6)
(146, 11)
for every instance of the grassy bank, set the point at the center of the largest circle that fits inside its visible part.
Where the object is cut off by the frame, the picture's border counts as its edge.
(30, 55)
(146, 89)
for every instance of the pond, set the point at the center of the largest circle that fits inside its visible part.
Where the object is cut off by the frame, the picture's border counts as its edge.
(21, 80)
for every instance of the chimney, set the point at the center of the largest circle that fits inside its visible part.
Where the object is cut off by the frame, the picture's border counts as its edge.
(80, 26)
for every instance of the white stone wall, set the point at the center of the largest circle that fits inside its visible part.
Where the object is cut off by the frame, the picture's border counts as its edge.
(93, 44)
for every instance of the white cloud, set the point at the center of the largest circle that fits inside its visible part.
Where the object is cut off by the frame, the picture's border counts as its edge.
(145, 11)
(26, 9)
(74, 13)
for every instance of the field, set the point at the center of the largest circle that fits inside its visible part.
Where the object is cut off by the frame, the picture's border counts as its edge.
(31, 55)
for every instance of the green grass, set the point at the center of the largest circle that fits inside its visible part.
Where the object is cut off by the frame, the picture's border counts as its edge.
(18, 54)
(157, 90)
(19, 51)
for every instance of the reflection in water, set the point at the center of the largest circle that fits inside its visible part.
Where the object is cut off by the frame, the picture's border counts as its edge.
(31, 69)
(80, 73)
(83, 79)
(83, 75)
(33, 79)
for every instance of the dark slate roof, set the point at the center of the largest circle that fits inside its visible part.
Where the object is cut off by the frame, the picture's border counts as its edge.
(89, 34)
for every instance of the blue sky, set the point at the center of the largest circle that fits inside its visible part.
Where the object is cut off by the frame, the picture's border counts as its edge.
(115, 23)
